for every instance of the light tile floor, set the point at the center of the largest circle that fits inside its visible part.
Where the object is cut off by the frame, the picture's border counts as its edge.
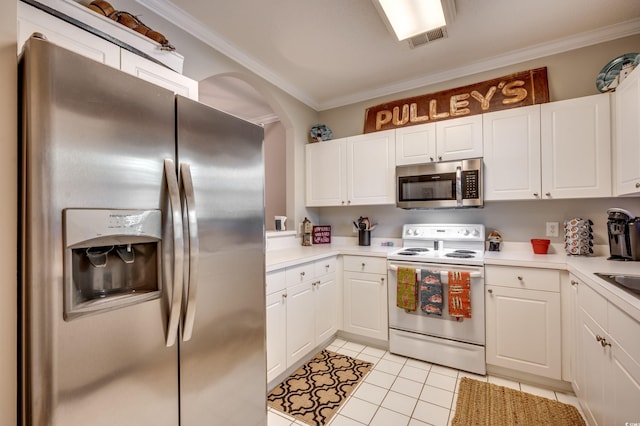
(402, 391)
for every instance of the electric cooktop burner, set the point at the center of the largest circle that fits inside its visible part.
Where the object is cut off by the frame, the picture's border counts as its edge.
(460, 255)
(413, 251)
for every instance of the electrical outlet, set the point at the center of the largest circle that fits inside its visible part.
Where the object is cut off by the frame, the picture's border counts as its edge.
(552, 229)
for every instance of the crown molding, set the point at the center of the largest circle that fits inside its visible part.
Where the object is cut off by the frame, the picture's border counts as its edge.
(187, 23)
(600, 35)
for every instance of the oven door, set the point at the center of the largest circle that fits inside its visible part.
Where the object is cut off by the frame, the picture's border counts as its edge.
(468, 330)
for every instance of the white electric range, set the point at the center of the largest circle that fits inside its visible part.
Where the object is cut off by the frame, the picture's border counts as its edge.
(440, 338)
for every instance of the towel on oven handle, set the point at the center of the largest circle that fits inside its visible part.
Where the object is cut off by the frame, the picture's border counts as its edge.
(459, 294)
(430, 292)
(407, 290)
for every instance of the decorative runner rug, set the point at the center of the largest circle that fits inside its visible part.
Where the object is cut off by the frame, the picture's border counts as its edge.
(482, 403)
(314, 392)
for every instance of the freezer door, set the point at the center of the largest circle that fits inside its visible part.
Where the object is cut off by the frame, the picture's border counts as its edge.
(93, 138)
(223, 366)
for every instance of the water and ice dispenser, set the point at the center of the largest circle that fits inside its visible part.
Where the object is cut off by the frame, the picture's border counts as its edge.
(112, 259)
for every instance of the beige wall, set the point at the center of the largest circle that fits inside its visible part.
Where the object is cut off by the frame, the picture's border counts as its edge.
(275, 168)
(8, 213)
(570, 75)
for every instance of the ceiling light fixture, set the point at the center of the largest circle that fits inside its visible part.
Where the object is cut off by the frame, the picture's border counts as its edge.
(408, 18)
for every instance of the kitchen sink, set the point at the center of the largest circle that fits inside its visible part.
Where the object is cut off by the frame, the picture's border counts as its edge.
(630, 283)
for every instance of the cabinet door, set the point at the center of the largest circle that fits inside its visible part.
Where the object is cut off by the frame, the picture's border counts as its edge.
(623, 390)
(512, 154)
(300, 321)
(591, 369)
(326, 177)
(158, 75)
(326, 307)
(459, 139)
(576, 148)
(57, 31)
(276, 334)
(416, 144)
(365, 304)
(627, 142)
(371, 168)
(523, 330)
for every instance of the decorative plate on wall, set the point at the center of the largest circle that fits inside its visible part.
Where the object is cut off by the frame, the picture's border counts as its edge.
(615, 71)
(320, 132)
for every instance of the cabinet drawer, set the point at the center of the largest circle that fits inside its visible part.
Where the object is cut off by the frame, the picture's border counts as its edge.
(275, 281)
(593, 304)
(625, 330)
(300, 273)
(325, 266)
(527, 278)
(375, 265)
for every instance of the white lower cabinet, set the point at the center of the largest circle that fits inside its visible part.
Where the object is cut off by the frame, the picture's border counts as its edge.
(302, 312)
(523, 319)
(365, 296)
(607, 377)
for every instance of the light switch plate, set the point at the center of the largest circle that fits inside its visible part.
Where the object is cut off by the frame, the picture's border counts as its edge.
(552, 229)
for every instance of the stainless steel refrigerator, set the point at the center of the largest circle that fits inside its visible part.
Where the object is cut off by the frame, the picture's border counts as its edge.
(142, 252)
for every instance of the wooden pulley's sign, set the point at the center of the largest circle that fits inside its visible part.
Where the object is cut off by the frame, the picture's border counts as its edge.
(511, 91)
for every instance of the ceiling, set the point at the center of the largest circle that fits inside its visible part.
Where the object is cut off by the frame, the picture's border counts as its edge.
(331, 53)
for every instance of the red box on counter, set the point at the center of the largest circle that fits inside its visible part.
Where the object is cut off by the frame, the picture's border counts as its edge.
(322, 234)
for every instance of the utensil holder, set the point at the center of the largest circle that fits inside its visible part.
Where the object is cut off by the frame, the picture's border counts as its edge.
(364, 237)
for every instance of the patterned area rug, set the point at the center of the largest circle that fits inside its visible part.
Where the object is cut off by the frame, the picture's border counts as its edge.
(482, 403)
(315, 391)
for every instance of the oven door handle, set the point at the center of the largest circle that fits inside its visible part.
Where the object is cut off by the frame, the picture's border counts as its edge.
(444, 275)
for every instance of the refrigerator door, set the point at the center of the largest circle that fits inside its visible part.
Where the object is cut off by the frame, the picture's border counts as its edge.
(93, 138)
(222, 364)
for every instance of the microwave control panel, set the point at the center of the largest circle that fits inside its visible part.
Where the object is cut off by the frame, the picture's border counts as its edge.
(470, 185)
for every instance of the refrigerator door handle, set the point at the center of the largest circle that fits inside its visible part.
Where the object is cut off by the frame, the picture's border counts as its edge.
(191, 272)
(175, 304)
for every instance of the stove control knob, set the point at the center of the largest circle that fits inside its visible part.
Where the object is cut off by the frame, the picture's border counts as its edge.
(466, 232)
(411, 231)
(476, 232)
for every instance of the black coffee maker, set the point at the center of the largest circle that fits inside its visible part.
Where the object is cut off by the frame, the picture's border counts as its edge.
(624, 235)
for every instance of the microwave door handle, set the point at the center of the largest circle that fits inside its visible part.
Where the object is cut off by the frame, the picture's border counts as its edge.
(175, 302)
(191, 271)
(459, 186)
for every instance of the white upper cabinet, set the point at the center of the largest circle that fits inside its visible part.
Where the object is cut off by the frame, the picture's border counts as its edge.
(512, 154)
(459, 139)
(448, 140)
(576, 148)
(371, 168)
(358, 170)
(627, 139)
(554, 150)
(158, 75)
(64, 34)
(32, 20)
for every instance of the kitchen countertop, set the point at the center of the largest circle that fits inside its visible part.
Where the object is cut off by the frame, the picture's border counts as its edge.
(518, 254)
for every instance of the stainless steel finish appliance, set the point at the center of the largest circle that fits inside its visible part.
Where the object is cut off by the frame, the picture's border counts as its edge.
(142, 265)
(624, 235)
(446, 340)
(452, 184)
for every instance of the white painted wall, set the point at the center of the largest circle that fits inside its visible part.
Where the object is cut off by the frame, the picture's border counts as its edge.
(275, 156)
(8, 213)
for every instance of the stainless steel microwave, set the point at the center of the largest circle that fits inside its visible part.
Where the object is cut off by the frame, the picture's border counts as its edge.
(451, 184)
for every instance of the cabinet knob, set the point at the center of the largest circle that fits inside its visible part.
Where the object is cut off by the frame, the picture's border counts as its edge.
(638, 185)
(440, 158)
(343, 202)
(574, 283)
(381, 280)
(535, 194)
(284, 296)
(430, 158)
(548, 194)
(604, 343)
(363, 265)
(490, 291)
(348, 201)
(327, 266)
(302, 274)
(520, 278)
